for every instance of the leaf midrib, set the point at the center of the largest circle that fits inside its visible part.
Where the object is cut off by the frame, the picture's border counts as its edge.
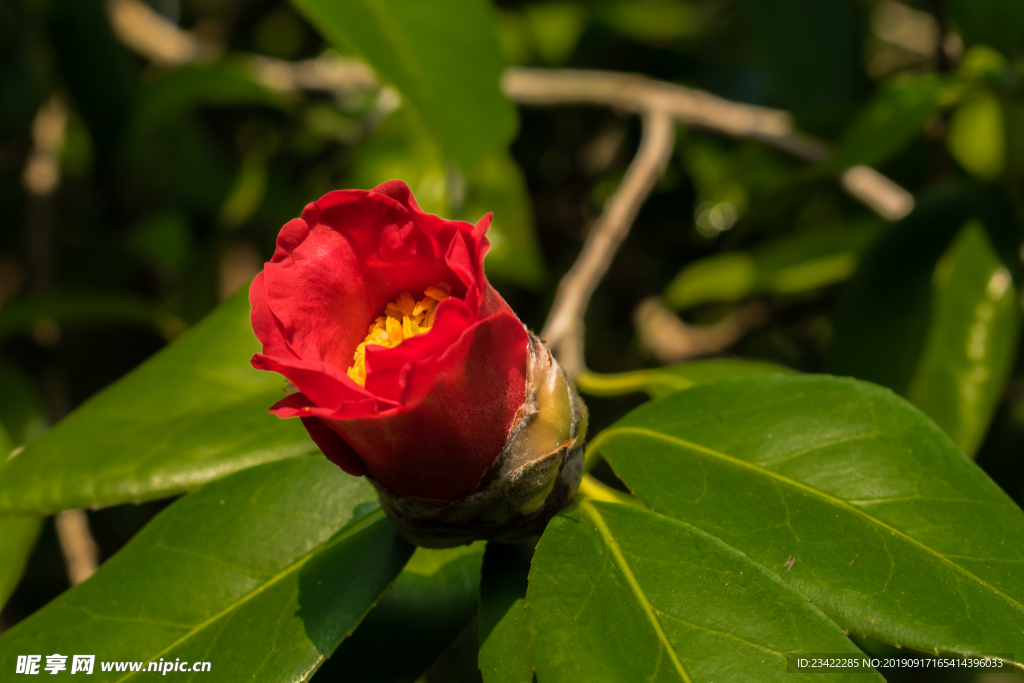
(830, 499)
(367, 521)
(634, 585)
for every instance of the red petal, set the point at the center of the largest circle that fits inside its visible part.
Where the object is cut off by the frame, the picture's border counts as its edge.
(326, 386)
(436, 409)
(456, 415)
(333, 446)
(328, 288)
(326, 439)
(265, 324)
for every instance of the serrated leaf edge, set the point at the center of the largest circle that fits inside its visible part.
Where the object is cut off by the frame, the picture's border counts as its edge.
(607, 434)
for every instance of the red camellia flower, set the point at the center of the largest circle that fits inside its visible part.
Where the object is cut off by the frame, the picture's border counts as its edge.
(409, 367)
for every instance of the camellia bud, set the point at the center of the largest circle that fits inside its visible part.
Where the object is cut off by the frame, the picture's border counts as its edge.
(534, 476)
(408, 368)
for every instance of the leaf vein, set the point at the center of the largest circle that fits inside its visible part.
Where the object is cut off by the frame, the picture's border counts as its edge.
(828, 498)
(634, 585)
(367, 521)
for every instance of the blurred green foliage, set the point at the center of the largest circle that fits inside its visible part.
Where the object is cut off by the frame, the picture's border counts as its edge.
(141, 184)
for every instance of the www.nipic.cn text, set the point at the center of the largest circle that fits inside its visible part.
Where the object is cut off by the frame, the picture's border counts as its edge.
(85, 664)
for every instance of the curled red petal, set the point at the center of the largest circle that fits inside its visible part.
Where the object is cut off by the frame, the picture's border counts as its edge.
(456, 413)
(436, 409)
(327, 440)
(333, 446)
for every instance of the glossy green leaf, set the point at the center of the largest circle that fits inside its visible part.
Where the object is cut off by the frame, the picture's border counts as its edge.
(261, 574)
(401, 148)
(658, 382)
(792, 264)
(847, 492)
(972, 340)
(977, 136)
(443, 56)
(194, 412)
(21, 418)
(428, 606)
(504, 633)
(17, 539)
(891, 120)
(620, 594)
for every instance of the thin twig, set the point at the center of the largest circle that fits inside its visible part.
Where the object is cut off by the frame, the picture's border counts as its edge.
(41, 178)
(564, 328)
(41, 175)
(878, 193)
(670, 340)
(700, 109)
(563, 331)
(164, 43)
(81, 554)
(636, 93)
(150, 34)
(330, 72)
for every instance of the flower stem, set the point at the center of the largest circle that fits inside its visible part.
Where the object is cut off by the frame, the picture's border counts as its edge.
(598, 384)
(594, 490)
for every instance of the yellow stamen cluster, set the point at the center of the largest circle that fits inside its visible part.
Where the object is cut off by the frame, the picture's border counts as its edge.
(403, 318)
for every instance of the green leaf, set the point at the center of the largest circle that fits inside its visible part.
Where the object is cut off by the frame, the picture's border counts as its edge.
(848, 493)
(17, 539)
(21, 418)
(977, 136)
(497, 186)
(972, 339)
(556, 28)
(504, 633)
(401, 148)
(659, 21)
(423, 613)
(789, 265)
(443, 56)
(21, 410)
(882, 317)
(620, 594)
(891, 120)
(671, 378)
(261, 574)
(194, 412)
(171, 97)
